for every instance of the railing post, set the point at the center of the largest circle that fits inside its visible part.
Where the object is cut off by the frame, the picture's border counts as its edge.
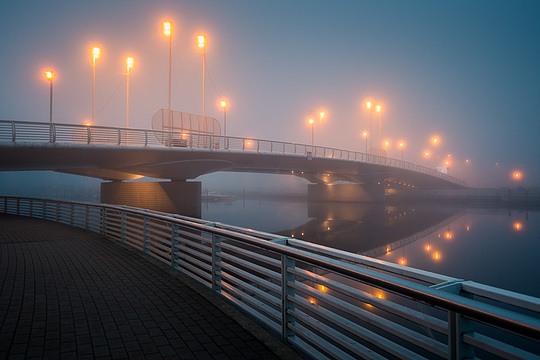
(13, 132)
(88, 135)
(457, 326)
(175, 244)
(216, 263)
(145, 137)
(119, 137)
(123, 226)
(71, 214)
(286, 305)
(146, 237)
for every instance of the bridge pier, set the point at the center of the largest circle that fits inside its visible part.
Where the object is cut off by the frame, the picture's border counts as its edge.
(179, 197)
(346, 192)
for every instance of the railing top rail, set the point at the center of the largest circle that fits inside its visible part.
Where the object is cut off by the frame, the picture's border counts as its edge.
(136, 141)
(483, 312)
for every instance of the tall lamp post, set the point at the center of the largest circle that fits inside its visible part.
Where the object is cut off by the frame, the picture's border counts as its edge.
(311, 123)
(365, 135)
(129, 65)
(401, 145)
(167, 31)
(96, 52)
(223, 105)
(49, 75)
(369, 106)
(201, 40)
(378, 110)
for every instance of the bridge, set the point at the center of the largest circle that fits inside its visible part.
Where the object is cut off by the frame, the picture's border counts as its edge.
(122, 154)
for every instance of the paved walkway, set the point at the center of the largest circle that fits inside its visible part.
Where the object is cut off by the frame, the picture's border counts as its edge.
(69, 293)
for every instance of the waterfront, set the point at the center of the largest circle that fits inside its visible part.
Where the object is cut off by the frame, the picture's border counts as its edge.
(497, 247)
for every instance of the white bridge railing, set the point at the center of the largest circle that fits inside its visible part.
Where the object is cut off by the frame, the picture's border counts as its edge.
(325, 302)
(25, 131)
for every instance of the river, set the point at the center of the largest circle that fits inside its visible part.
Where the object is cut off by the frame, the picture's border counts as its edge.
(497, 247)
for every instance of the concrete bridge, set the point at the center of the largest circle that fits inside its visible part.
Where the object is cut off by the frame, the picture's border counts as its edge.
(121, 154)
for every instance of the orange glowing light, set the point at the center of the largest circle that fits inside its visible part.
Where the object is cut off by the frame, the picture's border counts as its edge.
(364, 133)
(322, 115)
(368, 105)
(427, 247)
(517, 225)
(386, 144)
(378, 108)
(312, 301)
(517, 175)
(402, 261)
(96, 52)
(311, 121)
(323, 288)
(388, 250)
(167, 28)
(436, 140)
(380, 295)
(448, 235)
(427, 154)
(401, 144)
(129, 63)
(201, 39)
(436, 256)
(49, 74)
(87, 122)
(223, 103)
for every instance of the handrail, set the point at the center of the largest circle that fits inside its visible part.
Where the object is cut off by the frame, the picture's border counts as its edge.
(74, 133)
(279, 281)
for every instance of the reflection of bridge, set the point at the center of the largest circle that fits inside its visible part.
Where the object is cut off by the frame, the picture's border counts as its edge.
(120, 154)
(371, 229)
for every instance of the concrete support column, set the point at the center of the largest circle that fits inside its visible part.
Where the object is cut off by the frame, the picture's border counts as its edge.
(179, 197)
(346, 192)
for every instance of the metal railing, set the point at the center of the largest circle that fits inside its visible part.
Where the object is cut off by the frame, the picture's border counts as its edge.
(325, 302)
(26, 131)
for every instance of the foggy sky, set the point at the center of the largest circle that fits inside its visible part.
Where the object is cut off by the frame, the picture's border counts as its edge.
(465, 70)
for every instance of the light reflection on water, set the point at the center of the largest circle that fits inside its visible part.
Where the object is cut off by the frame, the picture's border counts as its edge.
(497, 247)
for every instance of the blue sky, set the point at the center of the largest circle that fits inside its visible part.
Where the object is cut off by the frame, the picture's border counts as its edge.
(465, 70)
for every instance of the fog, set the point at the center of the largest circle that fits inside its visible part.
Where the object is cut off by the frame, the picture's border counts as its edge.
(467, 72)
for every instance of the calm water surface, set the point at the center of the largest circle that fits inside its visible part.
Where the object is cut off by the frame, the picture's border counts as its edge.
(498, 247)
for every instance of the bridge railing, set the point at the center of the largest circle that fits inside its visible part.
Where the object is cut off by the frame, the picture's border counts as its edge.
(25, 131)
(327, 303)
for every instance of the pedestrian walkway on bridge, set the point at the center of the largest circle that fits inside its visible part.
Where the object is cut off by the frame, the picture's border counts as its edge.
(70, 293)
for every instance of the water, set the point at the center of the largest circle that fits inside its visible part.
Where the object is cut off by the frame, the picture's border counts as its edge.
(498, 247)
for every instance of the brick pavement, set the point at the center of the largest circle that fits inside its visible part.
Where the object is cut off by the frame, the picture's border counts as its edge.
(69, 293)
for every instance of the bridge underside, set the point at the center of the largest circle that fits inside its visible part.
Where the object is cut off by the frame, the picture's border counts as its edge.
(121, 164)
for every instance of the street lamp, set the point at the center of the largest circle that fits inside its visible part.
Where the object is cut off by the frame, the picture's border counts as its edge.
(167, 31)
(223, 105)
(311, 123)
(201, 40)
(49, 75)
(96, 52)
(427, 155)
(365, 135)
(401, 145)
(369, 106)
(378, 110)
(129, 65)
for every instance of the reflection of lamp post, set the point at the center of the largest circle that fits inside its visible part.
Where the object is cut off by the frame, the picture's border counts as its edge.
(129, 65)
(365, 135)
(201, 43)
(95, 55)
(49, 75)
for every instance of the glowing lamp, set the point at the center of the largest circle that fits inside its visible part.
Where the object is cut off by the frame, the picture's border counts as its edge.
(167, 28)
(201, 41)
